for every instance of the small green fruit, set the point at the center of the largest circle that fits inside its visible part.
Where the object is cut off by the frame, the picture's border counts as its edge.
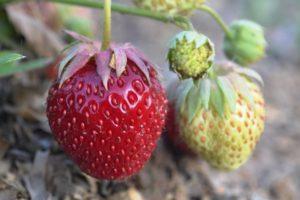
(178, 7)
(76, 19)
(190, 54)
(246, 42)
(80, 25)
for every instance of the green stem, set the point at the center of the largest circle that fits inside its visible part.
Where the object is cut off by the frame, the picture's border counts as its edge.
(180, 21)
(216, 16)
(107, 25)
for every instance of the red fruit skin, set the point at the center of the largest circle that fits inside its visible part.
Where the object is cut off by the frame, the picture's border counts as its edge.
(51, 71)
(110, 133)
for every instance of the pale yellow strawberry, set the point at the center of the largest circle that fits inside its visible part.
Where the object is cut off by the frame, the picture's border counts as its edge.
(180, 7)
(226, 140)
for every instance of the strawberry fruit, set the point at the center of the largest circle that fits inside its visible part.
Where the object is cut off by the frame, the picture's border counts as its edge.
(221, 117)
(107, 109)
(246, 43)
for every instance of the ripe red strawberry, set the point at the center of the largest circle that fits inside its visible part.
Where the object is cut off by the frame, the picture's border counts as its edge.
(107, 110)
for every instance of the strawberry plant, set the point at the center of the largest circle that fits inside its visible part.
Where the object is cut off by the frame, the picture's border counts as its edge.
(220, 110)
(107, 107)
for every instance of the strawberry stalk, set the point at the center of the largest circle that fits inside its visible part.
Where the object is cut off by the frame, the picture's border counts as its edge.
(177, 20)
(216, 17)
(107, 25)
(180, 21)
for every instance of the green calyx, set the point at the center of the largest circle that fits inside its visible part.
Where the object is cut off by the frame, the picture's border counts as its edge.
(190, 54)
(246, 42)
(173, 7)
(218, 91)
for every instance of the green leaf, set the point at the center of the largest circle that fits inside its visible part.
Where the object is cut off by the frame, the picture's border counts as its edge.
(12, 68)
(182, 91)
(217, 100)
(7, 57)
(71, 54)
(193, 101)
(205, 93)
(228, 92)
(68, 46)
(251, 74)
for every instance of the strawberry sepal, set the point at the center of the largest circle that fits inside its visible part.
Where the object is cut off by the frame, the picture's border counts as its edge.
(115, 58)
(218, 91)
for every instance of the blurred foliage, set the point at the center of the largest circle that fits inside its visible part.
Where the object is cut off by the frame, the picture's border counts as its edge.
(9, 57)
(76, 19)
(282, 20)
(9, 63)
(272, 12)
(12, 68)
(7, 31)
(263, 11)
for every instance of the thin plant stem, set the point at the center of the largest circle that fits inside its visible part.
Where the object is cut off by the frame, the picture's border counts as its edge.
(107, 25)
(216, 17)
(180, 21)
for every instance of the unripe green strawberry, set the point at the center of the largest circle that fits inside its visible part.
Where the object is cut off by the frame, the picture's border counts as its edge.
(190, 54)
(80, 25)
(246, 42)
(76, 19)
(179, 7)
(222, 118)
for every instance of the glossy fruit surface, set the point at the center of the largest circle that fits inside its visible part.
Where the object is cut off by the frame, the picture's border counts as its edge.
(109, 133)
